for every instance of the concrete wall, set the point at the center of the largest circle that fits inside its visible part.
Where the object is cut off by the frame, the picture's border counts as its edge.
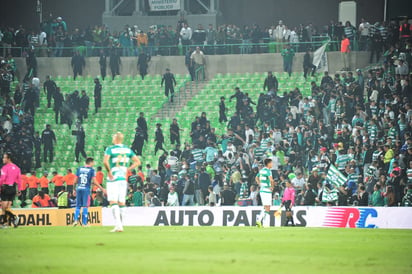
(215, 64)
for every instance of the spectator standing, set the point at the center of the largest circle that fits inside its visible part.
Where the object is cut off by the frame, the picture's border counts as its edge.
(288, 53)
(114, 63)
(49, 88)
(172, 197)
(186, 35)
(189, 63)
(143, 63)
(198, 61)
(271, 83)
(103, 63)
(97, 95)
(199, 35)
(48, 139)
(308, 65)
(169, 80)
(278, 35)
(345, 50)
(78, 63)
(363, 34)
(210, 39)
(228, 196)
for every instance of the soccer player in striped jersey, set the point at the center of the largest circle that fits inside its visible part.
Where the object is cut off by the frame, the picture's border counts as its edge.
(116, 161)
(265, 181)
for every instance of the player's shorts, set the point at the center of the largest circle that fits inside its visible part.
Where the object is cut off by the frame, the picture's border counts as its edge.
(116, 191)
(8, 193)
(82, 197)
(266, 198)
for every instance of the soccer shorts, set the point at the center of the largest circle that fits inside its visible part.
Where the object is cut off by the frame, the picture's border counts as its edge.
(266, 198)
(117, 191)
(82, 197)
(8, 193)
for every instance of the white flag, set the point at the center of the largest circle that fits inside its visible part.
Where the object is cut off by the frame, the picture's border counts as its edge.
(320, 58)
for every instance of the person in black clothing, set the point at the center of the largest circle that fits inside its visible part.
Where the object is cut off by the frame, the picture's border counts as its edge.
(78, 63)
(170, 81)
(188, 63)
(228, 196)
(363, 196)
(141, 123)
(115, 63)
(326, 80)
(50, 88)
(30, 99)
(103, 64)
(138, 142)
(159, 138)
(239, 98)
(174, 132)
(84, 106)
(58, 103)
(80, 143)
(143, 63)
(222, 110)
(204, 183)
(48, 139)
(31, 63)
(37, 149)
(308, 65)
(271, 82)
(97, 95)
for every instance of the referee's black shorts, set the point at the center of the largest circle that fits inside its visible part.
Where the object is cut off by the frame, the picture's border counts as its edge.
(8, 193)
(287, 205)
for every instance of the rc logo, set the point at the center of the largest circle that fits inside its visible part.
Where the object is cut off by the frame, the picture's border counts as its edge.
(350, 217)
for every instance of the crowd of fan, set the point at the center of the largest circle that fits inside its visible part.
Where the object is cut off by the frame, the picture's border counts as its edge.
(56, 39)
(363, 126)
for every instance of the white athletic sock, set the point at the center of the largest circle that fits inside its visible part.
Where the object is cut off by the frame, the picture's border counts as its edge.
(116, 214)
(260, 216)
(122, 214)
(266, 219)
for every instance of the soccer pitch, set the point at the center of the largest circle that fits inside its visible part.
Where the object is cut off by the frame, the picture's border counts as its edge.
(204, 250)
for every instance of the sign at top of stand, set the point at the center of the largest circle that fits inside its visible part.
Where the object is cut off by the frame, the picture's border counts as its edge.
(164, 5)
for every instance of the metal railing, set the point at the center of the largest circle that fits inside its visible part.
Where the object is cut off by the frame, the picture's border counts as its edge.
(173, 50)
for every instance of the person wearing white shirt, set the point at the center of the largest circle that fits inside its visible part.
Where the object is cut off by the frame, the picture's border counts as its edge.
(172, 197)
(278, 34)
(249, 133)
(364, 34)
(286, 34)
(186, 35)
(298, 182)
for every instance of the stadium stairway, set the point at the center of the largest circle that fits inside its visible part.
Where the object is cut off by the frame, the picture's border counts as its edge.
(182, 97)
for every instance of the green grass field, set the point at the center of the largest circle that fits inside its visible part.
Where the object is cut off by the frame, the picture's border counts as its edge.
(204, 250)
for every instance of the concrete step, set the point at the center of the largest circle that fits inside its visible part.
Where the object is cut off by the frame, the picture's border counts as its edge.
(185, 94)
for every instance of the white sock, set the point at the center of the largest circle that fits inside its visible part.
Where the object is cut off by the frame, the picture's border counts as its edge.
(116, 215)
(260, 216)
(266, 219)
(122, 214)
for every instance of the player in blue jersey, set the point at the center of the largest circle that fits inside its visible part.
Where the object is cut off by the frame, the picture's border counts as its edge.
(85, 178)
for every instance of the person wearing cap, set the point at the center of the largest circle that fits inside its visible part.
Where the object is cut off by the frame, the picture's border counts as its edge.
(169, 80)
